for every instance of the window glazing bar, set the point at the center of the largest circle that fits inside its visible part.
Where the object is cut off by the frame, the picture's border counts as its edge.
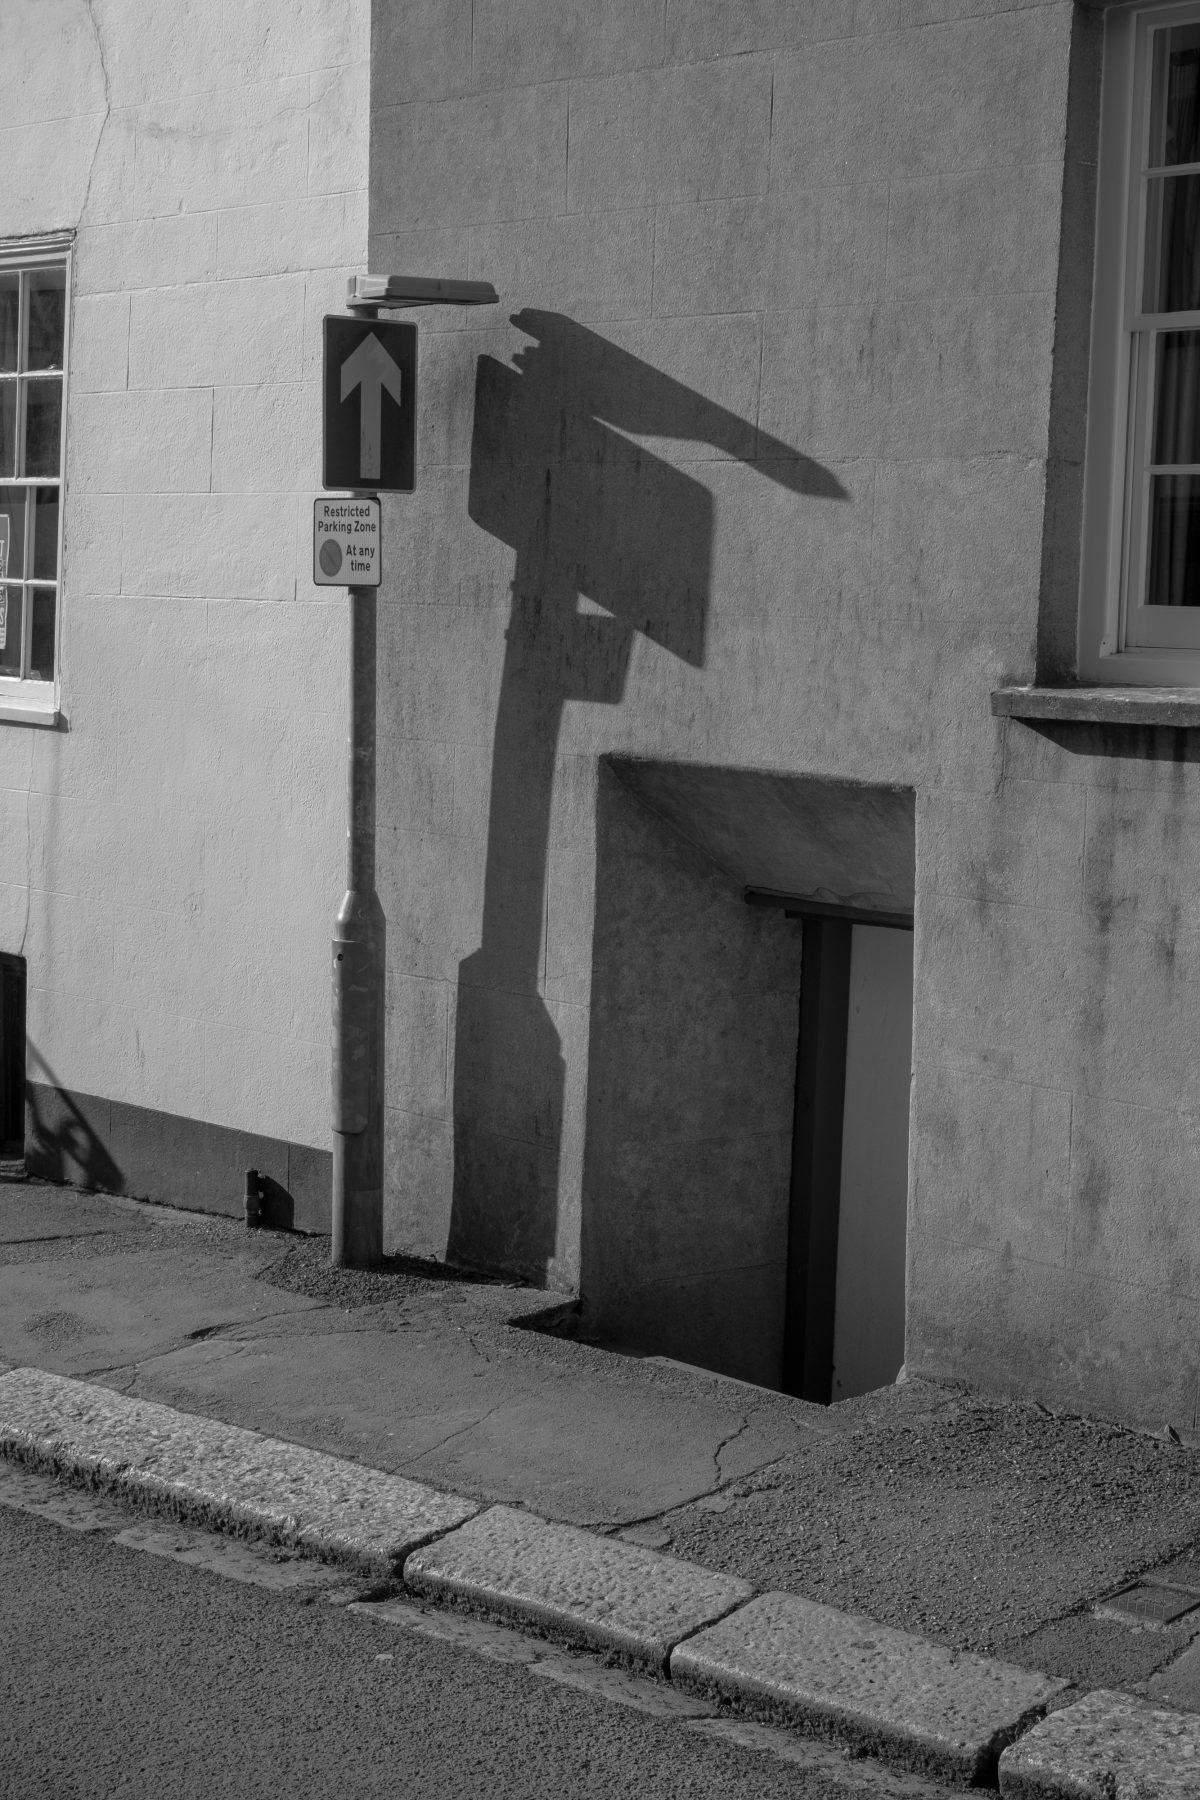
(1176, 321)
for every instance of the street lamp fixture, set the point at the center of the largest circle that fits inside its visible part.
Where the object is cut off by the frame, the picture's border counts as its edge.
(367, 293)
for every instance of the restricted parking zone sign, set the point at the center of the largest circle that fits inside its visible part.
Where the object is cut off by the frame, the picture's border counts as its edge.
(346, 542)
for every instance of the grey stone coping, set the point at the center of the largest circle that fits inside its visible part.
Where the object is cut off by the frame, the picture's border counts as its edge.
(219, 1473)
(1107, 1746)
(604, 1592)
(1179, 707)
(945, 1712)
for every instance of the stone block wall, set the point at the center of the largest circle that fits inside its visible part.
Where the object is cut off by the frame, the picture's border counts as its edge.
(171, 858)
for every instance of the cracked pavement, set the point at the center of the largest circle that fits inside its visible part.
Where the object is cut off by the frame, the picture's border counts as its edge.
(981, 1524)
(418, 1372)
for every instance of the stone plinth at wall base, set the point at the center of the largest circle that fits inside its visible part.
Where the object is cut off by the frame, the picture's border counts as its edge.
(945, 1712)
(1107, 1746)
(111, 1147)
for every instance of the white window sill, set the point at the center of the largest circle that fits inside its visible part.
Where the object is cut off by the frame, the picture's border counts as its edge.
(29, 712)
(1178, 707)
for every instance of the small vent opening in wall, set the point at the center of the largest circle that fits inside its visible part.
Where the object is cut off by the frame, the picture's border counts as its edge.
(12, 1062)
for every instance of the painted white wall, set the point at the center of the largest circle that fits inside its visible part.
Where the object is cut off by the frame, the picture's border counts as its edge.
(170, 863)
(868, 1326)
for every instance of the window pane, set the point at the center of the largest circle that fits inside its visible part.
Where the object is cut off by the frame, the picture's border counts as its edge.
(1177, 398)
(1175, 98)
(10, 631)
(8, 429)
(1172, 243)
(41, 637)
(45, 534)
(12, 514)
(47, 313)
(43, 408)
(1174, 541)
(10, 289)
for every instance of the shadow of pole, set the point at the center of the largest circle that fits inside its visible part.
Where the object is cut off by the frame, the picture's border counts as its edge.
(587, 513)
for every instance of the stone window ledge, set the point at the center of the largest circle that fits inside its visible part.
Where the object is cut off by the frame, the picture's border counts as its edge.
(1179, 707)
(17, 712)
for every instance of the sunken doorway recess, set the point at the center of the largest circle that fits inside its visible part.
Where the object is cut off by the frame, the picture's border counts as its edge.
(745, 1180)
(848, 1203)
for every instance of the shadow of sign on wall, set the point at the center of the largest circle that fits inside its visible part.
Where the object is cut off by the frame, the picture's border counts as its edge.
(587, 513)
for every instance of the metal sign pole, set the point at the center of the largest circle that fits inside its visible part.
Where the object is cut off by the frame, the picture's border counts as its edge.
(358, 973)
(365, 360)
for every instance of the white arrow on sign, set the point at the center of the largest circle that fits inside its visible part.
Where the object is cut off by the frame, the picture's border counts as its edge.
(370, 368)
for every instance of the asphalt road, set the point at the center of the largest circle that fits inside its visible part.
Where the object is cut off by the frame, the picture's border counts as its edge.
(129, 1673)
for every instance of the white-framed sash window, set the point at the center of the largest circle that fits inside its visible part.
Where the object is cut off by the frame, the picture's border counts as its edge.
(1140, 599)
(34, 315)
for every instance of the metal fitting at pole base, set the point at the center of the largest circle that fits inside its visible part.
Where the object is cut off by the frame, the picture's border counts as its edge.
(357, 1200)
(357, 1229)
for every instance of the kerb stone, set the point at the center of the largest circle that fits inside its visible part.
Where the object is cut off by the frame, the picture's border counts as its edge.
(604, 1592)
(1108, 1746)
(945, 1712)
(220, 1474)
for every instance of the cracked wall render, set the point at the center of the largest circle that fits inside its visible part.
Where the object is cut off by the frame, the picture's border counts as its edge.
(171, 862)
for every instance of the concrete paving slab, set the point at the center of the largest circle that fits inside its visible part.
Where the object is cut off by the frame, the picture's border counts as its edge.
(592, 1590)
(469, 1404)
(1107, 1746)
(1179, 1684)
(109, 1310)
(945, 1712)
(219, 1474)
(31, 1212)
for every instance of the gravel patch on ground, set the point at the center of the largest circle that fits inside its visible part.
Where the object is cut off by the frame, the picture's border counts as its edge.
(305, 1268)
(973, 1522)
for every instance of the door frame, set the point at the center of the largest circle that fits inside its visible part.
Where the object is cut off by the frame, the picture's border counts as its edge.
(817, 1126)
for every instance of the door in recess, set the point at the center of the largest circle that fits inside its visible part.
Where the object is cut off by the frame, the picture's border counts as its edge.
(868, 1321)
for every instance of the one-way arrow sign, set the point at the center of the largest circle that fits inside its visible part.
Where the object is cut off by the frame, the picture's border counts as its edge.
(370, 404)
(371, 369)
